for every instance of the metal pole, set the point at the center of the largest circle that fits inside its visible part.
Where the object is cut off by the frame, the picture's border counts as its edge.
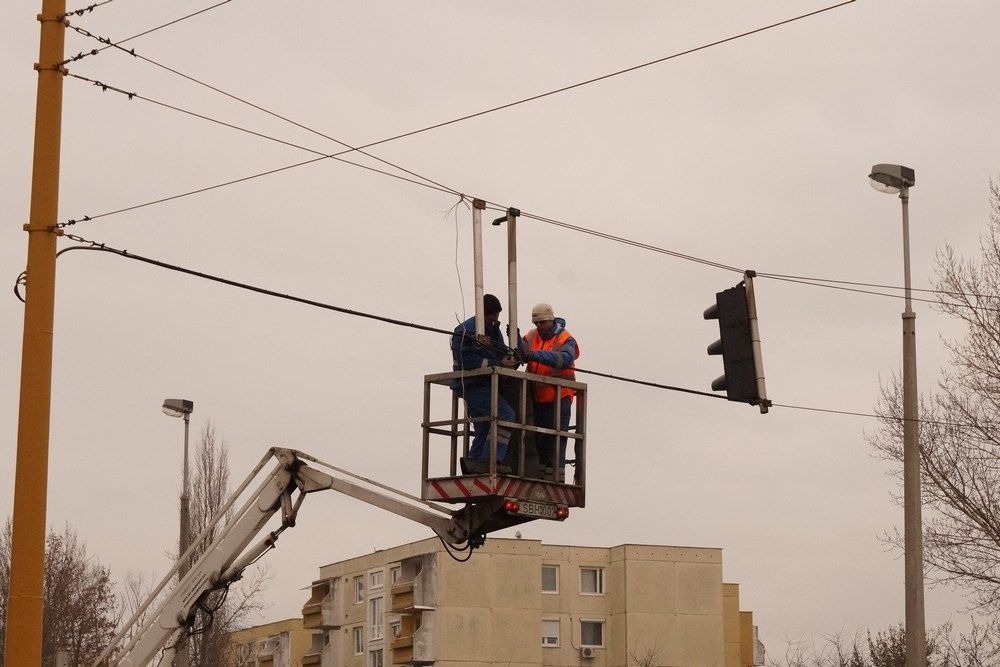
(181, 656)
(25, 603)
(512, 331)
(477, 256)
(913, 543)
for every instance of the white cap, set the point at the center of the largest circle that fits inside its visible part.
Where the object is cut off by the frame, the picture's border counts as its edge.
(541, 313)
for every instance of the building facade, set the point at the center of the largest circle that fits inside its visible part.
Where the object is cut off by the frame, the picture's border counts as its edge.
(278, 644)
(522, 603)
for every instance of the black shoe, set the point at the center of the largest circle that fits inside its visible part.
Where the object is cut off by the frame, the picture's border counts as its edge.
(476, 466)
(504, 470)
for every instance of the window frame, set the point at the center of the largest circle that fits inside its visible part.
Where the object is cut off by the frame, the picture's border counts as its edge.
(603, 625)
(556, 568)
(376, 631)
(376, 580)
(359, 589)
(599, 579)
(358, 637)
(395, 572)
(557, 636)
(371, 657)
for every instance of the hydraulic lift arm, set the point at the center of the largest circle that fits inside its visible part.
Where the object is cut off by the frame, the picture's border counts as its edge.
(224, 560)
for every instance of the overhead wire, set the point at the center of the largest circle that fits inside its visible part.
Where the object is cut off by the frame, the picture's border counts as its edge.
(84, 10)
(101, 247)
(260, 108)
(816, 282)
(433, 184)
(164, 25)
(472, 115)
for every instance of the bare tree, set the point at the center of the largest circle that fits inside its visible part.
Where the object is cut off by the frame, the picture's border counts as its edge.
(960, 431)
(225, 610)
(80, 606)
(644, 657)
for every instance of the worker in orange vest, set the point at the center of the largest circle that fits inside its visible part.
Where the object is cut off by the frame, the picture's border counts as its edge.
(550, 350)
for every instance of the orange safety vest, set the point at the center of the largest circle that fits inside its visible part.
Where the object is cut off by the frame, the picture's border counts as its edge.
(546, 393)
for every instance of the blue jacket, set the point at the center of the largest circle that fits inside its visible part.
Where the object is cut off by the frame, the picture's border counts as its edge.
(468, 354)
(560, 358)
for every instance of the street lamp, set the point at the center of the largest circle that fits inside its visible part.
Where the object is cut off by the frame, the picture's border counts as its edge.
(181, 407)
(893, 178)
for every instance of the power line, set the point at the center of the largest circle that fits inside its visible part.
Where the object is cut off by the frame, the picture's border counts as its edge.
(443, 188)
(164, 25)
(101, 247)
(878, 285)
(258, 107)
(815, 282)
(473, 115)
(85, 10)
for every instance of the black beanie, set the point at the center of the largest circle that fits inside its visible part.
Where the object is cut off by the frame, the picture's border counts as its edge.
(491, 304)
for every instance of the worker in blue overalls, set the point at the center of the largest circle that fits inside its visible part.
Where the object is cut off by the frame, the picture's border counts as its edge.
(470, 352)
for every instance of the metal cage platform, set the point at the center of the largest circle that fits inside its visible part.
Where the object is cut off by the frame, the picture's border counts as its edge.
(536, 489)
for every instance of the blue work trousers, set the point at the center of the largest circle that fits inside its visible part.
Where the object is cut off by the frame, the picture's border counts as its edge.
(545, 416)
(478, 400)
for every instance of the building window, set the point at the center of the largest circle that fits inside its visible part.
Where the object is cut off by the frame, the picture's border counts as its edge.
(359, 590)
(376, 580)
(394, 574)
(375, 612)
(550, 578)
(550, 632)
(359, 640)
(592, 633)
(395, 627)
(592, 580)
(375, 658)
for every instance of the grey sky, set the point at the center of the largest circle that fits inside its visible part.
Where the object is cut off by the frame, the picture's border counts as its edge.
(754, 154)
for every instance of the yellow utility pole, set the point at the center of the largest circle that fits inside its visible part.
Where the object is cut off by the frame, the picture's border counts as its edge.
(25, 604)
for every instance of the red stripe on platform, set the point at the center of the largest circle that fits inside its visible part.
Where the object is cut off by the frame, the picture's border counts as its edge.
(439, 490)
(461, 487)
(482, 487)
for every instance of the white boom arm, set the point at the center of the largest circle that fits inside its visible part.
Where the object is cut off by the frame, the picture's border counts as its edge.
(225, 559)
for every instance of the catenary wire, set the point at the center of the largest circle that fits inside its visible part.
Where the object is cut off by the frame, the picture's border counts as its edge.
(494, 206)
(84, 10)
(100, 247)
(165, 25)
(486, 111)
(878, 285)
(253, 105)
(322, 155)
(444, 188)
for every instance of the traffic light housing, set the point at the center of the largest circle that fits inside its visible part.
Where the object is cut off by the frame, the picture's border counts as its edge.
(739, 345)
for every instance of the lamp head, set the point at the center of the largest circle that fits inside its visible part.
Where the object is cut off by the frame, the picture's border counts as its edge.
(178, 407)
(891, 178)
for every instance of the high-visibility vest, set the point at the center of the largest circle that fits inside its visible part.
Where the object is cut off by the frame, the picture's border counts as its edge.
(546, 393)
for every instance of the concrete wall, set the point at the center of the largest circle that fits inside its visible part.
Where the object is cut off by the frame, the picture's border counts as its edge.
(661, 601)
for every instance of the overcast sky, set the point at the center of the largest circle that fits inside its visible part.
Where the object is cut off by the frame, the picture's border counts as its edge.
(754, 153)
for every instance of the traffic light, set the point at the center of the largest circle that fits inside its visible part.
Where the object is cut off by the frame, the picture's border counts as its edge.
(739, 345)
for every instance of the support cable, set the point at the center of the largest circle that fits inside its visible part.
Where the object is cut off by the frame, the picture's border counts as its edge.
(237, 98)
(486, 111)
(321, 155)
(108, 44)
(84, 10)
(101, 247)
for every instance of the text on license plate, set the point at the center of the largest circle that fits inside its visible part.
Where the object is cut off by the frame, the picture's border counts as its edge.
(541, 510)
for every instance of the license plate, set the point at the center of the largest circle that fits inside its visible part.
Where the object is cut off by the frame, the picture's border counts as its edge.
(540, 510)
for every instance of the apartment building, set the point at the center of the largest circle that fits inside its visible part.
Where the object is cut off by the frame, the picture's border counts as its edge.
(277, 644)
(522, 603)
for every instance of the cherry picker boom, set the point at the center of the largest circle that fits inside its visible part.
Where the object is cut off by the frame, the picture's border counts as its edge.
(284, 489)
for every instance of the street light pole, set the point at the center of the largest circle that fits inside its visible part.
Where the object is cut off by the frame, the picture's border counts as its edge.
(179, 407)
(892, 179)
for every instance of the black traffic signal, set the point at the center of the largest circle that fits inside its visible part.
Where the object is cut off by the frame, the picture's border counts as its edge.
(739, 345)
